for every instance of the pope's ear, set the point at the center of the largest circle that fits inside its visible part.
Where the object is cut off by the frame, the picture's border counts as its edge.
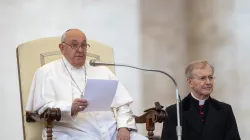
(61, 47)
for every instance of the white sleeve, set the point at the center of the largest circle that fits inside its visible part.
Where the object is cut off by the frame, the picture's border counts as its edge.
(125, 118)
(121, 102)
(42, 96)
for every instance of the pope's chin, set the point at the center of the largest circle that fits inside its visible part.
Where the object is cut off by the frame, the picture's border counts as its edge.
(79, 61)
(79, 58)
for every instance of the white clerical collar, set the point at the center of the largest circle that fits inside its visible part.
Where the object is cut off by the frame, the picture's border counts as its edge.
(201, 102)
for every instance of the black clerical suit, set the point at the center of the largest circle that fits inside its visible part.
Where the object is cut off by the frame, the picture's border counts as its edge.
(214, 121)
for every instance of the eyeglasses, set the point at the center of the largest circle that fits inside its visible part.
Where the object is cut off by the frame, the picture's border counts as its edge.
(84, 46)
(204, 78)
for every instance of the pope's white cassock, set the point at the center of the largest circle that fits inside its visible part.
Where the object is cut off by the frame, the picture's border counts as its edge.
(53, 87)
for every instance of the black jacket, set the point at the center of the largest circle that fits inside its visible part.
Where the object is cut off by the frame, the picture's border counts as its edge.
(220, 123)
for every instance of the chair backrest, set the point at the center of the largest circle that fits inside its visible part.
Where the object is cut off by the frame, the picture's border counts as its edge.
(34, 54)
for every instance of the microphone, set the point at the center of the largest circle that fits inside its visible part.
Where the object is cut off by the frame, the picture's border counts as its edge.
(178, 127)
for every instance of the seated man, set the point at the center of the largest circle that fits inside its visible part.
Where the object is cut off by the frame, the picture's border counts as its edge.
(60, 84)
(204, 118)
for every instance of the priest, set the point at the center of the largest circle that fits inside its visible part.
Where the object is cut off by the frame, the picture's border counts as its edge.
(203, 117)
(61, 84)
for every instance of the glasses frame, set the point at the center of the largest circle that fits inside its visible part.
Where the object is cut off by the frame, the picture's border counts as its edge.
(78, 46)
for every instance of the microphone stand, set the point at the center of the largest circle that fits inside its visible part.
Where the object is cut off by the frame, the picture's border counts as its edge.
(178, 127)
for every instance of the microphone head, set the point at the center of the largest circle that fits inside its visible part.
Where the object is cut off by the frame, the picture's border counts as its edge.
(92, 62)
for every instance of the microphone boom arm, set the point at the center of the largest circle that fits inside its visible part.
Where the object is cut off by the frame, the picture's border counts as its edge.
(178, 127)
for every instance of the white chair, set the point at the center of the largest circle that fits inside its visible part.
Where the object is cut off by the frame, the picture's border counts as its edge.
(34, 54)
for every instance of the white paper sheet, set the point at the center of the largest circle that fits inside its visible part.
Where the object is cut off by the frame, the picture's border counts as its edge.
(99, 94)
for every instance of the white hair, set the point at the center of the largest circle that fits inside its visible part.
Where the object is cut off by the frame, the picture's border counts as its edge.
(196, 65)
(63, 37)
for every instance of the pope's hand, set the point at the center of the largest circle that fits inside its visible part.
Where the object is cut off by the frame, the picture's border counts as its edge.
(123, 134)
(78, 105)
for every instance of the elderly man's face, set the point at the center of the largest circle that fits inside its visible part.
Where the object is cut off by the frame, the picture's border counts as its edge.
(74, 48)
(202, 81)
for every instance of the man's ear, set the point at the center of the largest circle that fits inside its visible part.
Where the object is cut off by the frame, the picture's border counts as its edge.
(61, 47)
(189, 81)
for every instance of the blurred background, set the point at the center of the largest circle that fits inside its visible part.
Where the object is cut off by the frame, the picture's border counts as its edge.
(154, 34)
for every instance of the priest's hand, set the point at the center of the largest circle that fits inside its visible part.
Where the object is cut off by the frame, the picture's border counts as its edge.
(78, 105)
(123, 134)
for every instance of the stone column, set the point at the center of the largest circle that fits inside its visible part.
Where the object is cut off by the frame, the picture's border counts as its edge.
(163, 47)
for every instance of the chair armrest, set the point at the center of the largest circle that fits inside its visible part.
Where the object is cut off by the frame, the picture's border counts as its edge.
(150, 117)
(49, 115)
